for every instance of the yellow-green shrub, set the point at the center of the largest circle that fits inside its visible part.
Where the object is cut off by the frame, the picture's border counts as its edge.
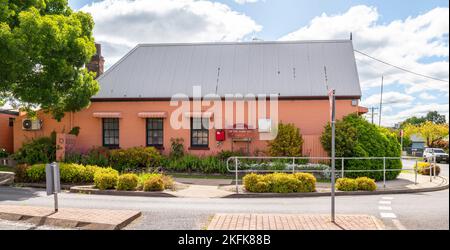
(105, 180)
(424, 168)
(366, 184)
(71, 173)
(35, 173)
(280, 183)
(127, 182)
(154, 183)
(346, 184)
(307, 182)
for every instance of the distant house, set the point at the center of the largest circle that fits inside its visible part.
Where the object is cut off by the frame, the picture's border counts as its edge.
(6, 129)
(417, 144)
(133, 106)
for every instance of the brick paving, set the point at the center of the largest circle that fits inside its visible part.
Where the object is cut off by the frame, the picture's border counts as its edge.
(100, 219)
(293, 222)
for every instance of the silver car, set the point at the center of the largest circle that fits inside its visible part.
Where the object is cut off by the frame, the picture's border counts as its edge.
(440, 154)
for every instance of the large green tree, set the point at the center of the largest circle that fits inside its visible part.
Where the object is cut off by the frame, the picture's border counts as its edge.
(432, 116)
(356, 137)
(44, 46)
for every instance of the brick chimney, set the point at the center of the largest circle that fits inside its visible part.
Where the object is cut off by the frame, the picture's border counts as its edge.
(97, 61)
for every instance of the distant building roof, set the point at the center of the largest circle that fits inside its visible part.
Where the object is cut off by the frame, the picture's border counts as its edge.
(417, 138)
(9, 112)
(290, 69)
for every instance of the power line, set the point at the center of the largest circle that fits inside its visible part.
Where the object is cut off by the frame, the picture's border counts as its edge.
(400, 68)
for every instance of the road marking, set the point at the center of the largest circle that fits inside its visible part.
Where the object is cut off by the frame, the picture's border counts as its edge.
(388, 215)
(384, 208)
(399, 225)
(385, 202)
(387, 198)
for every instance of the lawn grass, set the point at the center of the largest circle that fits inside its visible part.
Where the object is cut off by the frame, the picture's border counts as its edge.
(6, 168)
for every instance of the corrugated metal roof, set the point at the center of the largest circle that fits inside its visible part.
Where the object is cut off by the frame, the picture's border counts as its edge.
(290, 69)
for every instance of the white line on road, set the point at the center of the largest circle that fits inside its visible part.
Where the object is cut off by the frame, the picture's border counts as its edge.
(384, 208)
(399, 225)
(388, 215)
(385, 202)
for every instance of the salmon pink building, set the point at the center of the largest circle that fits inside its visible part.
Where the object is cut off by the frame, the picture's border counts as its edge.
(6, 129)
(214, 96)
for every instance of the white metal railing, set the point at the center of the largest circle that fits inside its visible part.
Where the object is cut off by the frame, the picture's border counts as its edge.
(342, 171)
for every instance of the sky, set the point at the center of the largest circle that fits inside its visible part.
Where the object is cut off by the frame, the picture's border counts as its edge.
(411, 34)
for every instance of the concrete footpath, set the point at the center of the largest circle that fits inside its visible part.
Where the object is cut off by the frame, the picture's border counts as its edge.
(75, 218)
(293, 222)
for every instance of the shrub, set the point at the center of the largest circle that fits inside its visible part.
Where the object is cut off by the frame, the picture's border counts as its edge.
(307, 182)
(177, 148)
(168, 182)
(72, 173)
(89, 173)
(36, 173)
(3, 153)
(346, 184)
(127, 182)
(356, 137)
(21, 173)
(105, 180)
(366, 184)
(137, 157)
(288, 141)
(424, 168)
(154, 183)
(280, 183)
(41, 150)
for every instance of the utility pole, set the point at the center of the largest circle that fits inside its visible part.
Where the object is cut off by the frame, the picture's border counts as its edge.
(373, 112)
(381, 100)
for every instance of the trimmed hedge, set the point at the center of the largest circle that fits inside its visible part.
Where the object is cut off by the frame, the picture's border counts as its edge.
(346, 184)
(280, 183)
(106, 179)
(366, 184)
(127, 182)
(192, 163)
(360, 183)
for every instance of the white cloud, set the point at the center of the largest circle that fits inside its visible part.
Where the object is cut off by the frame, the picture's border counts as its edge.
(246, 1)
(417, 110)
(121, 24)
(406, 43)
(427, 96)
(395, 98)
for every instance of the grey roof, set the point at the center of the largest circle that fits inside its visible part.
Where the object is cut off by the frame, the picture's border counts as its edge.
(290, 69)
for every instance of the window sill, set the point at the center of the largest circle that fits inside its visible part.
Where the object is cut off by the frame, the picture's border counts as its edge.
(198, 148)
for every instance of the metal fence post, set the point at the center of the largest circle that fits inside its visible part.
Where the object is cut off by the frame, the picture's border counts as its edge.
(384, 172)
(236, 173)
(342, 170)
(415, 173)
(293, 165)
(430, 168)
(434, 168)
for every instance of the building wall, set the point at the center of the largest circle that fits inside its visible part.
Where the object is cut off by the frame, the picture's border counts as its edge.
(309, 115)
(6, 132)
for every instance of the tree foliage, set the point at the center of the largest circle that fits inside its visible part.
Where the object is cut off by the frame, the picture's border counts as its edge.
(356, 137)
(44, 46)
(430, 131)
(288, 142)
(432, 116)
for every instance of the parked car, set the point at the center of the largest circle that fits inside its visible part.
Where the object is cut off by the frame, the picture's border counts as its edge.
(440, 154)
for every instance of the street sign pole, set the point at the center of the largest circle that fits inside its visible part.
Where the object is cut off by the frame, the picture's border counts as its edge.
(333, 150)
(53, 182)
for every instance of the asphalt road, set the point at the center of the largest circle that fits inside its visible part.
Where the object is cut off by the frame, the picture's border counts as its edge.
(412, 211)
(401, 211)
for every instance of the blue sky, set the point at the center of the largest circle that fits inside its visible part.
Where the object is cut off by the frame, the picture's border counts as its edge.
(412, 34)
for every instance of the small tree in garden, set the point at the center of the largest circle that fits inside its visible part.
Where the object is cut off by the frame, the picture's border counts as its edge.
(177, 148)
(288, 142)
(356, 137)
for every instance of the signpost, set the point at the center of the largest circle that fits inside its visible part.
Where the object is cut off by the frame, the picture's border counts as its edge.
(331, 95)
(53, 183)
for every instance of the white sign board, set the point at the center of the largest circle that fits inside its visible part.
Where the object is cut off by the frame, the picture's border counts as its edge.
(52, 178)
